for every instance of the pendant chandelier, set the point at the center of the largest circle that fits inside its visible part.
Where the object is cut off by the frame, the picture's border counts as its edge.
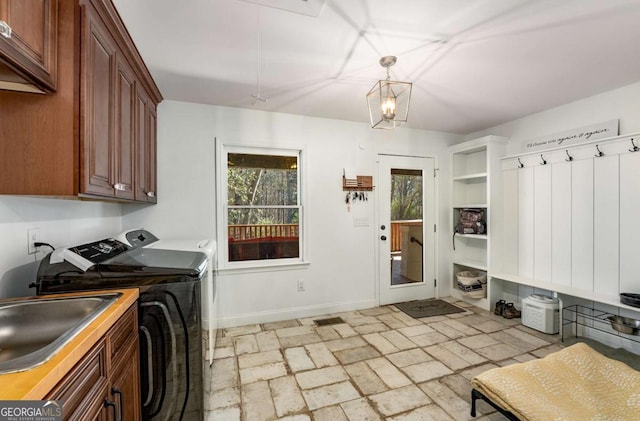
(388, 100)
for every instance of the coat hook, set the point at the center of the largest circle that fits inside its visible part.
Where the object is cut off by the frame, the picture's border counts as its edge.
(570, 158)
(520, 164)
(544, 162)
(635, 148)
(600, 153)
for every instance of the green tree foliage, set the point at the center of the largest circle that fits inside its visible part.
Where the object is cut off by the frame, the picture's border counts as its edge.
(256, 187)
(406, 197)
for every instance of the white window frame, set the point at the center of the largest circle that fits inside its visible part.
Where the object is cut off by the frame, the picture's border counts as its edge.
(222, 150)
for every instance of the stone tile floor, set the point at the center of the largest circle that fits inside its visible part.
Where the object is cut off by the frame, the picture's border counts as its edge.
(380, 364)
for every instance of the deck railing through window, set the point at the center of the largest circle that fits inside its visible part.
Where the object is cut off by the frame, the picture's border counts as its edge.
(258, 242)
(255, 232)
(240, 233)
(396, 234)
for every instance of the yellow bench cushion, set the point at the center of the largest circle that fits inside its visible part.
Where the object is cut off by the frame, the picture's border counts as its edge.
(576, 383)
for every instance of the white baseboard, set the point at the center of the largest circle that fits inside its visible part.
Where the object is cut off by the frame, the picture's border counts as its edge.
(293, 313)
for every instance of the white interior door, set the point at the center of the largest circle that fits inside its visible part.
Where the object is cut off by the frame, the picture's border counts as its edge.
(406, 239)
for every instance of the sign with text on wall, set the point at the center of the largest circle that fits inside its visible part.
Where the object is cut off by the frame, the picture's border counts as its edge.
(573, 137)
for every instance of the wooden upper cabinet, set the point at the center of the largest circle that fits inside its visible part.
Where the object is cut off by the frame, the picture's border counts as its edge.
(95, 137)
(116, 143)
(28, 50)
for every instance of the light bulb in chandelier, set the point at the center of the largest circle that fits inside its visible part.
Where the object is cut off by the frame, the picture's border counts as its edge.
(389, 108)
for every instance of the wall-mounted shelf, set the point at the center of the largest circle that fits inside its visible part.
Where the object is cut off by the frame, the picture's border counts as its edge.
(361, 183)
(470, 178)
(478, 236)
(470, 263)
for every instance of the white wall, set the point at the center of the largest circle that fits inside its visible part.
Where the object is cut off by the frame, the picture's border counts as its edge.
(61, 222)
(622, 103)
(341, 275)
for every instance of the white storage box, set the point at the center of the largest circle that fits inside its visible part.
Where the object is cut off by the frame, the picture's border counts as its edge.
(541, 312)
(472, 283)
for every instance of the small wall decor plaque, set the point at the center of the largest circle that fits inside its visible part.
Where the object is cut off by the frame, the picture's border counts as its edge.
(573, 137)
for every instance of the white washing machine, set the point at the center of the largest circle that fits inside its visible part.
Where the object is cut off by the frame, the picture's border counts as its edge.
(210, 314)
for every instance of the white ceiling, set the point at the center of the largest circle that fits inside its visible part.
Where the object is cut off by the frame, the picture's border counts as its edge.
(473, 63)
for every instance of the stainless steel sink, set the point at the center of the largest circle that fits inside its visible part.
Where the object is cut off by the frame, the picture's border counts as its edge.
(34, 330)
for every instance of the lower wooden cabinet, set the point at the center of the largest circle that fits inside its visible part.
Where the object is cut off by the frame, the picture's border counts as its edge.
(105, 384)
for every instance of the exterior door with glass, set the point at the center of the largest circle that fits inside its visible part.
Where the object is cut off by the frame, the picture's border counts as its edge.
(406, 238)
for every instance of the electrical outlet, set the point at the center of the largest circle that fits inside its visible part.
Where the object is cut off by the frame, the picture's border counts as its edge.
(33, 236)
(300, 285)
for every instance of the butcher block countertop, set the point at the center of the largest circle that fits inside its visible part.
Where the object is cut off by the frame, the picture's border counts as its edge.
(36, 383)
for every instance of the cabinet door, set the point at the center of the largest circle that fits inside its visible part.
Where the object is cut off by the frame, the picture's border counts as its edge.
(125, 384)
(31, 48)
(151, 163)
(96, 106)
(145, 186)
(83, 390)
(124, 130)
(122, 342)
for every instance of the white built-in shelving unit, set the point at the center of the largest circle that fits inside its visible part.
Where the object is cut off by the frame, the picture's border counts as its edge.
(476, 183)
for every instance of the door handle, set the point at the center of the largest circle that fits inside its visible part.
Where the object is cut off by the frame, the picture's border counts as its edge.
(383, 237)
(116, 391)
(107, 403)
(5, 29)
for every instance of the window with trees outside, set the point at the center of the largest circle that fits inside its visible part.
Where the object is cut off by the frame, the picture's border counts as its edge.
(263, 211)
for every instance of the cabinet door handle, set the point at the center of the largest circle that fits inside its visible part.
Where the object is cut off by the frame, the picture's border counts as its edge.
(119, 187)
(5, 29)
(107, 403)
(151, 194)
(116, 391)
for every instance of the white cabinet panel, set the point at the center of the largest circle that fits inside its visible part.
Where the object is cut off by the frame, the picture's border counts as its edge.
(582, 225)
(509, 258)
(606, 189)
(561, 223)
(629, 212)
(525, 223)
(542, 223)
